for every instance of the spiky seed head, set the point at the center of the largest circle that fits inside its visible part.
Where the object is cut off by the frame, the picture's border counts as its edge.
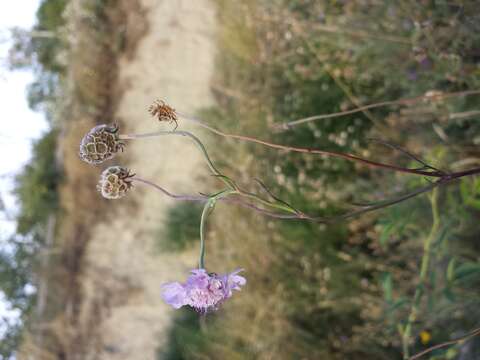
(100, 144)
(115, 182)
(163, 112)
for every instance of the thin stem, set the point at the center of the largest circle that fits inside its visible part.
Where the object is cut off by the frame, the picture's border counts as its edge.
(266, 202)
(291, 124)
(353, 99)
(298, 215)
(466, 337)
(206, 210)
(261, 210)
(423, 274)
(357, 33)
(168, 193)
(464, 173)
(406, 153)
(345, 156)
(181, 133)
(390, 202)
(464, 115)
(204, 198)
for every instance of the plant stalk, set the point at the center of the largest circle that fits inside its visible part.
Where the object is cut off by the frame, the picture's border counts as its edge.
(423, 274)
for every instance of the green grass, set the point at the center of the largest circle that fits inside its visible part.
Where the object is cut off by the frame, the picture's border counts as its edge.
(185, 339)
(181, 226)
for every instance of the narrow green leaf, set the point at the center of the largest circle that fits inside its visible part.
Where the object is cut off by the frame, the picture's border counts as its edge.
(385, 235)
(451, 269)
(387, 285)
(466, 270)
(449, 295)
(398, 304)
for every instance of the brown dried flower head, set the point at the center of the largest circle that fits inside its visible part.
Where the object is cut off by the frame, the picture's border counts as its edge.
(163, 112)
(100, 144)
(115, 182)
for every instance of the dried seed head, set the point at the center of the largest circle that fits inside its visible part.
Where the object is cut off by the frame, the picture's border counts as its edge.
(163, 112)
(115, 182)
(100, 144)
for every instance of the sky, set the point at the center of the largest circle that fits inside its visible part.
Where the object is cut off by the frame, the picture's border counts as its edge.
(19, 126)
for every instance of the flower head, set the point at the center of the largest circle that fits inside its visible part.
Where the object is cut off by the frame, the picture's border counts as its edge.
(100, 144)
(115, 182)
(202, 291)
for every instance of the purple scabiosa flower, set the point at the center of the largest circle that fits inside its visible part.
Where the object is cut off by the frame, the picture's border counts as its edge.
(202, 291)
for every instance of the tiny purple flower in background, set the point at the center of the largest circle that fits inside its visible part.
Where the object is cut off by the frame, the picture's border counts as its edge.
(202, 291)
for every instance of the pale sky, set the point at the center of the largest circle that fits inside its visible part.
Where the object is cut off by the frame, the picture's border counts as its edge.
(18, 124)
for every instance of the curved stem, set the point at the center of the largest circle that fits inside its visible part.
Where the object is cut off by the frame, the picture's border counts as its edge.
(344, 156)
(204, 198)
(168, 193)
(390, 202)
(266, 202)
(207, 209)
(196, 140)
(261, 210)
(298, 215)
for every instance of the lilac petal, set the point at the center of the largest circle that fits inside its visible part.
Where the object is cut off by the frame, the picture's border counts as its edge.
(237, 281)
(199, 278)
(174, 294)
(233, 281)
(199, 272)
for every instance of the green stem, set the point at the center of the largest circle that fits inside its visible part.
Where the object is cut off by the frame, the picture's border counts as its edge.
(195, 139)
(230, 184)
(207, 209)
(267, 203)
(210, 205)
(423, 274)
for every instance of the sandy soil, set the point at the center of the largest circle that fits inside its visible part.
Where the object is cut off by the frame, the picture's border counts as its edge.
(174, 61)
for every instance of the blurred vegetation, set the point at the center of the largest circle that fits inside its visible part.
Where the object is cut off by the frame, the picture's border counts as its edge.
(186, 327)
(344, 291)
(89, 35)
(36, 186)
(72, 50)
(36, 190)
(42, 49)
(181, 226)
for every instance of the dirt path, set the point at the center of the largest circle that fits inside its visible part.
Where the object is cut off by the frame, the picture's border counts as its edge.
(174, 61)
